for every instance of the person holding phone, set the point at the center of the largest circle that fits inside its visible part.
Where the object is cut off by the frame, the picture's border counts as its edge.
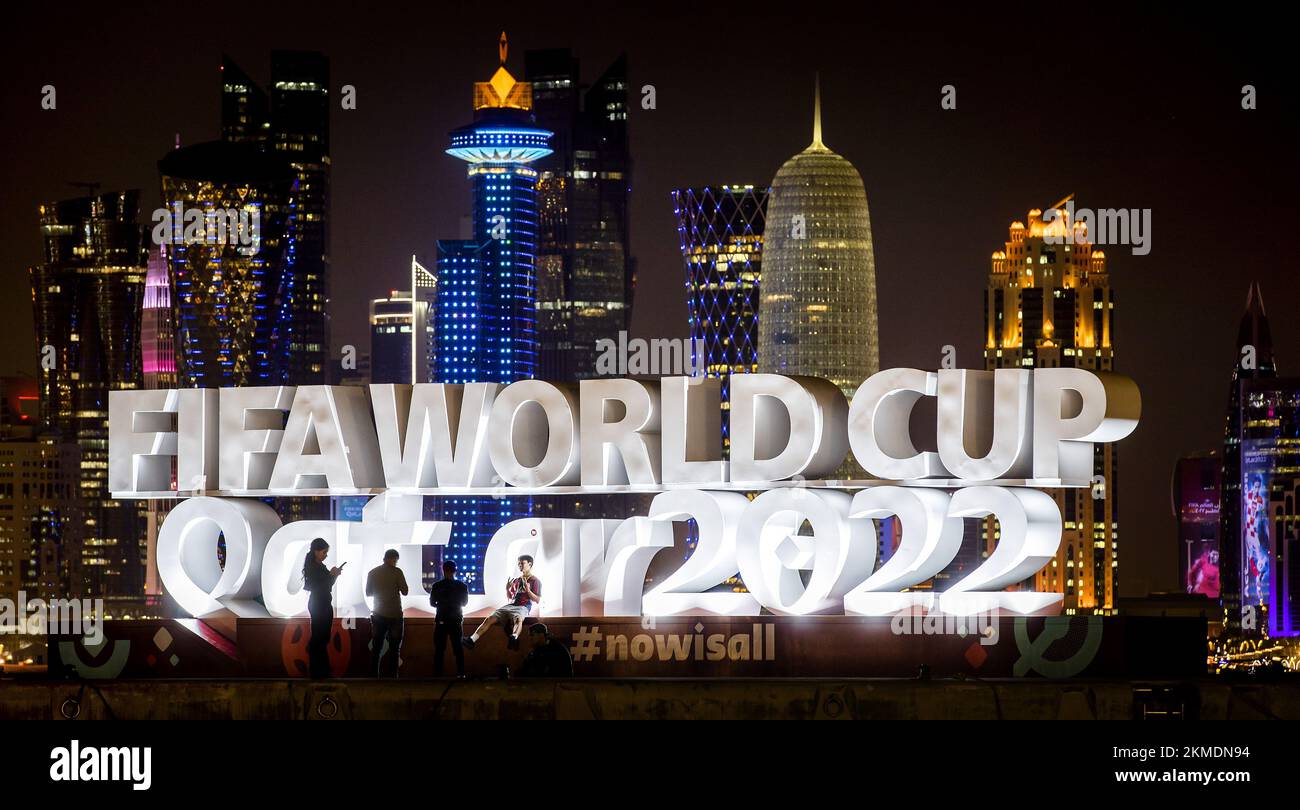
(319, 582)
(521, 593)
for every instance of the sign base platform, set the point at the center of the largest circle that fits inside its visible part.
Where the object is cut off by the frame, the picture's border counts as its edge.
(676, 647)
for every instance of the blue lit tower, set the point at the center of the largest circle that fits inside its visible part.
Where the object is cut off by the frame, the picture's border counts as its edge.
(721, 233)
(486, 324)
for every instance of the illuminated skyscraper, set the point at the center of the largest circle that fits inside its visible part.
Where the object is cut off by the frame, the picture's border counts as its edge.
(486, 310)
(585, 275)
(157, 333)
(1266, 543)
(88, 294)
(1255, 363)
(402, 332)
(240, 311)
(585, 272)
(818, 306)
(158, 349)
(1049, 304)
(232, 301)
(300, 133)
(294, 125)
(720, 229)
(390, 338)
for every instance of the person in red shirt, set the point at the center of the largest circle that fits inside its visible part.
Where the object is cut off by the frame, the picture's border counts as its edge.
(1203, 578)
(521, 593)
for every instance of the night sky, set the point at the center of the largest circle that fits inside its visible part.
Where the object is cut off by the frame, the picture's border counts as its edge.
(1132, 110)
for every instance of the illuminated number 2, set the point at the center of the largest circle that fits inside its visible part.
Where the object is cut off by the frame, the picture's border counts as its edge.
(717, 516)
(932, 527)
(931, 539)
(1030, 526)
(637, 540)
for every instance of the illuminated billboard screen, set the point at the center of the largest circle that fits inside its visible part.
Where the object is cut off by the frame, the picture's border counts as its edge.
(1256, 535)
(1196, 493)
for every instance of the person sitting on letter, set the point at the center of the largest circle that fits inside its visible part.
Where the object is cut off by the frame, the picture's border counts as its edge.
(521, 593)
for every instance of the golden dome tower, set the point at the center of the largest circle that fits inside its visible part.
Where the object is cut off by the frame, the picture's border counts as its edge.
(817, 312)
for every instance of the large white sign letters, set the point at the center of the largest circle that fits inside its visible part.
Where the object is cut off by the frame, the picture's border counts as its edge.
(805, 545)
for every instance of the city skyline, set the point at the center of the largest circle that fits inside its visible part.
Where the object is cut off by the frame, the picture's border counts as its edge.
(1174, 383)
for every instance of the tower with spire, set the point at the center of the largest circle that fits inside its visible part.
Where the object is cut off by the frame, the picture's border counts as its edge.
(486, 326)
(817, 113)
(1255, 365)
(818, 303)
(486, 321)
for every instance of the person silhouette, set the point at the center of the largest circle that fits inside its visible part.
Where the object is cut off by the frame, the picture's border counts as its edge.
(319, 582)
(387, 585)
(449, 597)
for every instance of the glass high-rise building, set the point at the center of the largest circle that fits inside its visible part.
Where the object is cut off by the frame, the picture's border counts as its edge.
(1266, 540)
(293, 123)
(88, 294)
(1049, 304)
(232, 303)
(158, 350)
(157, 333)
(818, 306)
(245, 109)
(391, 331)
(1254, 361)
(486, 328)
(720, 229)
(300, 133)
(585, 272)
(290, 181)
